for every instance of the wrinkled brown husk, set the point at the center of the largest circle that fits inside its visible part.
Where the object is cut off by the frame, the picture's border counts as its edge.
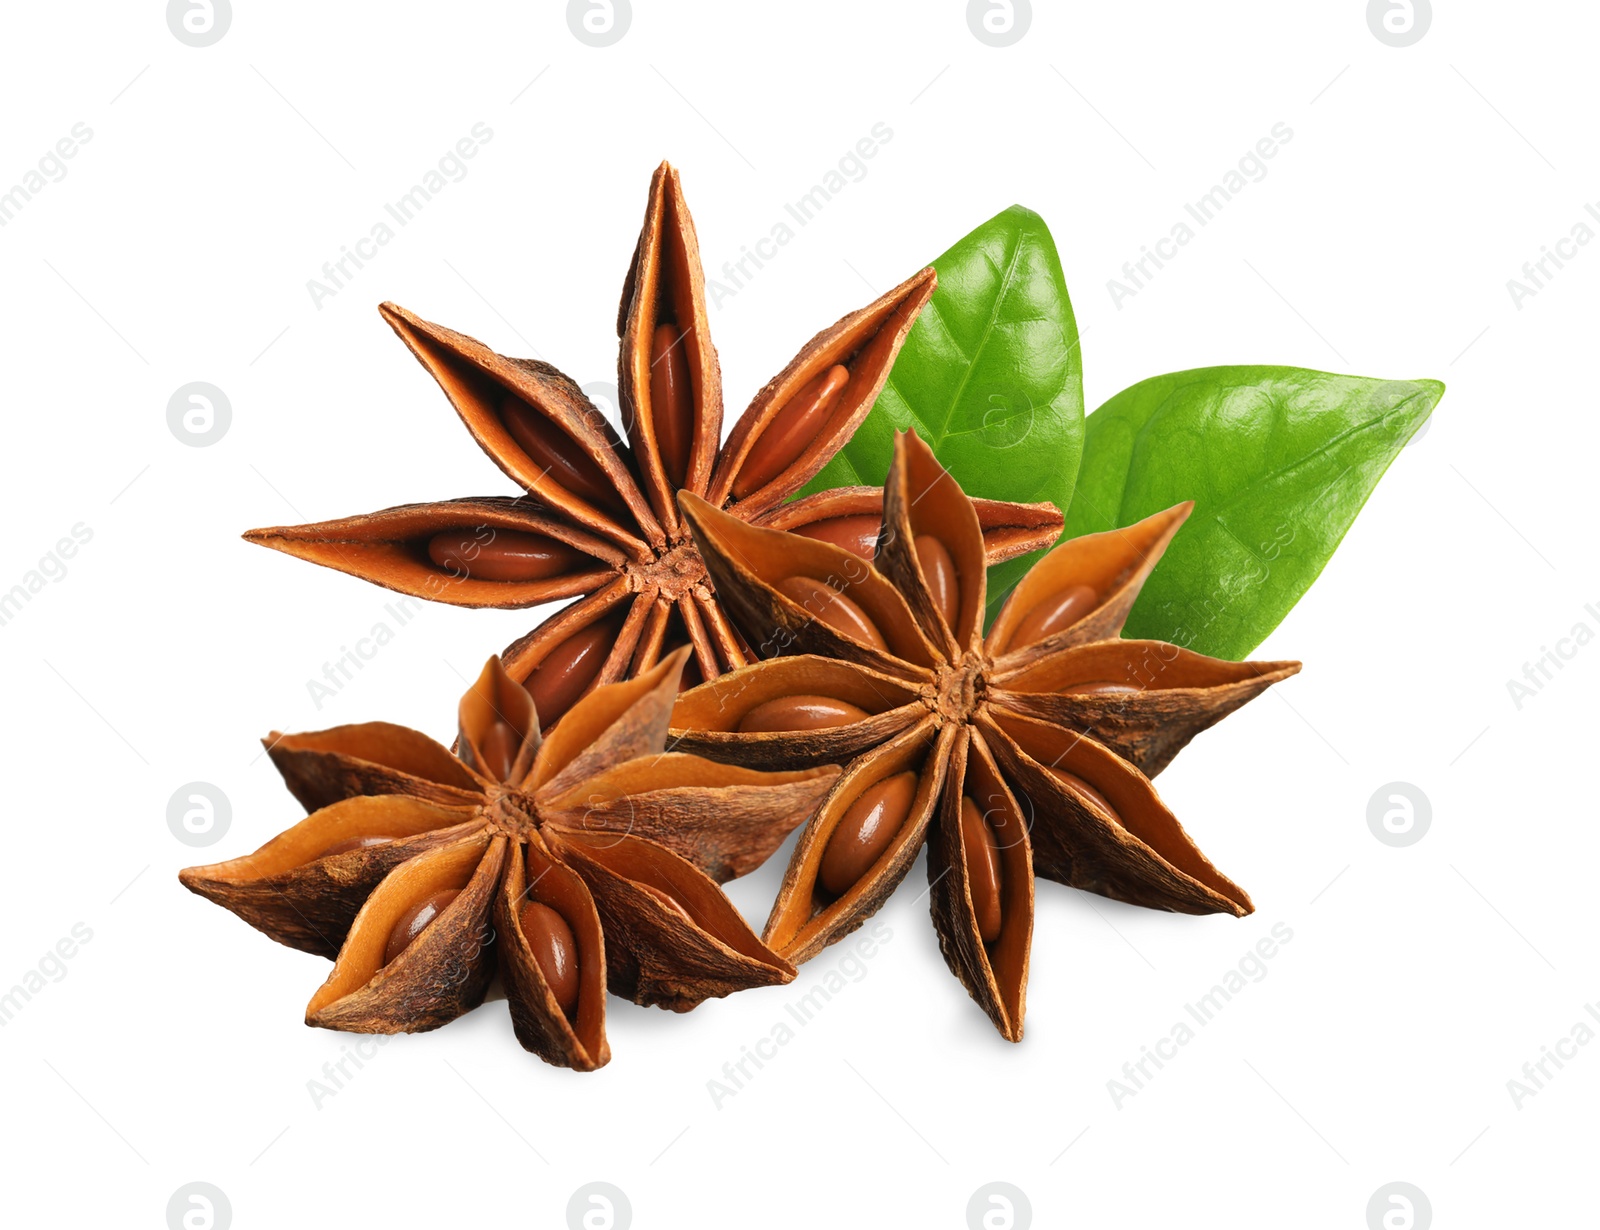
(866, 343)
(745, 562)
(496, 699)
(731, 650)
(1009, 530)
(443, 974)
(1141, 856)
(703, 811)
(800, 924)
(389, 548)
(1114, 564)
(324, 766)
(285, 891)
(627, 721)
(921, 498)
(654, 955)
(666, 266)
(536, 1017)
(475, 379)
(996, 976)
(705, 720)
(1181, 693)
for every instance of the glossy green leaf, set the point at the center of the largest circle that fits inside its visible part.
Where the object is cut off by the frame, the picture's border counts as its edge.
(1278, 461)
(990, 376)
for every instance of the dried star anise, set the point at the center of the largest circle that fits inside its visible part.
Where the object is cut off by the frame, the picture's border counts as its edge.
(602, 523)
(569, 863)
(1026, 751)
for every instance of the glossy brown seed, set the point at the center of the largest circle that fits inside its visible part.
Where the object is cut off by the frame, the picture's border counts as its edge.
(865, 831)
(671, 399)
(556, 951)
(1053, 613)
(982, 850)
(824, 602)
(858, 535)
(1078, 786)
(552, 449)
(790, 430)
(354, 843)
(939, 570)
(569, 669)
(499, 745)
(1100, 687)
(484, 554)
(415, 921)
(788, 713)
(668, 900)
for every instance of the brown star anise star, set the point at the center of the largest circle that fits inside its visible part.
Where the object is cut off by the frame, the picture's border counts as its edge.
(601, 521)
(569, 863)
(1026, 751)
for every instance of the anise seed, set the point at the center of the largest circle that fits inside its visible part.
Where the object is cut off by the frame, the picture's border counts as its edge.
(1053, 613)
(500, 745)
(552, 449)
(672, 400)
(865, 831)
(984, 875)
(940, 571)
(416, 919)
(827, 604)
(509, 555)
(857, 535)
(1078, 786)
(791, 430)
(789, 713)
(555, 949)
(569, 669)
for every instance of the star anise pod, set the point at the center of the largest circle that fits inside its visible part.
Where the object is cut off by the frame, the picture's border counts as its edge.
(569, 863)
(601, 522)
(1026, 751)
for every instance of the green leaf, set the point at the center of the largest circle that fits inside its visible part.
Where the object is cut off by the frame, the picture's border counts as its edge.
(990, 376)
(1278, 461)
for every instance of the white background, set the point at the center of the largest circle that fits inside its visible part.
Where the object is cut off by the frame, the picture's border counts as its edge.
(178, 247)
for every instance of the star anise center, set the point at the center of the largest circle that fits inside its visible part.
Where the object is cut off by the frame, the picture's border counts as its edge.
(676, 569)
(959, 688)
(511, 812)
